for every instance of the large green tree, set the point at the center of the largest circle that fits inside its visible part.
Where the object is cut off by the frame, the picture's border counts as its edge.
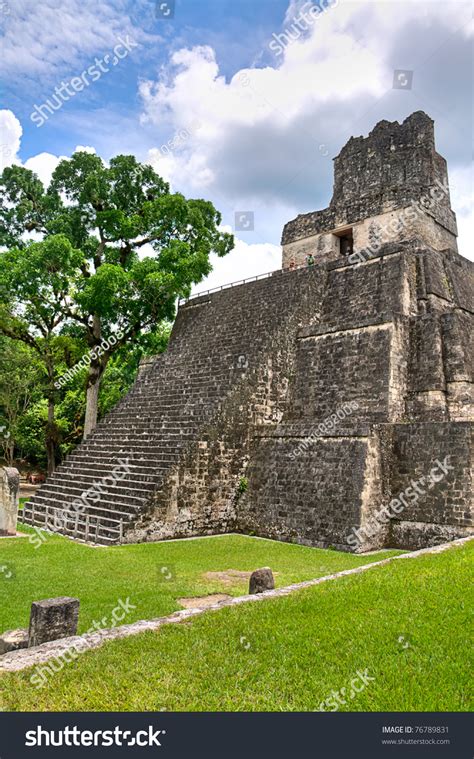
(129, 249)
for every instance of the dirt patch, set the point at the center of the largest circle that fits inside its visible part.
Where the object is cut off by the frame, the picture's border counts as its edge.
(228, 577)
(203, 601)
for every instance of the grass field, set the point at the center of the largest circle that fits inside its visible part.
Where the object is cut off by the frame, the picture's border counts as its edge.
(152, 575)
(396, 638)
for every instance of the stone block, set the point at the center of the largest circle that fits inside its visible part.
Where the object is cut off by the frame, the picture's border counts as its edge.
(261, 580)
(9, 499)
(12, 640)
(53, 618)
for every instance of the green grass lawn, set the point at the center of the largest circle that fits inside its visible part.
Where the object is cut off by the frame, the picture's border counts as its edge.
(152, 575)
(406, 625)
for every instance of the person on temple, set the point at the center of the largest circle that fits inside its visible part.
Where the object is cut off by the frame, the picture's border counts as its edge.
(310, 259)
(292, 264)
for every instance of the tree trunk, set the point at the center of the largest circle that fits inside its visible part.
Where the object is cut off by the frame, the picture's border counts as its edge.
(51, 437)
(96, 370)
(10, 453)
(51, 430)
(92, 398)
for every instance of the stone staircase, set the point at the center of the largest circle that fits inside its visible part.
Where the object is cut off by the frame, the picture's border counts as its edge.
(142, 438)
(218, 341)
(141, 442)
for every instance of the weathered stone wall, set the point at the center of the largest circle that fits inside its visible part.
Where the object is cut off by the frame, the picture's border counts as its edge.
(288, 381)
(443, 510)
(356, 294)
(383, 344)
(370, 234)
(300, 490)
(321, 468)
(342, 366)
(402, 224)
(457, 331)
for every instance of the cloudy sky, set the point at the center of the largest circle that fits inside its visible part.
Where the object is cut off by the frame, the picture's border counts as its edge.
(228, 100)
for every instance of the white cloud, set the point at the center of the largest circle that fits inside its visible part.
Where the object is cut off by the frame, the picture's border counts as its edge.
(10, 138)
(278, 99)
(43, 166)
(244, 262)
(266, 124)
(45, 39)
(85, 149)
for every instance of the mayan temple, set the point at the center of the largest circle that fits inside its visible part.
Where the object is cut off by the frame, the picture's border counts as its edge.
(296, 405)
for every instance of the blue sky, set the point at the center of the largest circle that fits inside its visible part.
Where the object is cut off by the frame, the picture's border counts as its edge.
(236, 31)
(222, 113)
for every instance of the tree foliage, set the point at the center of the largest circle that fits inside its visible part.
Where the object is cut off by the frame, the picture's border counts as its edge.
(113, 249)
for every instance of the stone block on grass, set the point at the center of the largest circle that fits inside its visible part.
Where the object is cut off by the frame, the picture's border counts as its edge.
(9, 499)
(261, 580)
(52, 619)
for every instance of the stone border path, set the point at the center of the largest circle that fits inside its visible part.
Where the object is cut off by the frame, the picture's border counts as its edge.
(28, 657)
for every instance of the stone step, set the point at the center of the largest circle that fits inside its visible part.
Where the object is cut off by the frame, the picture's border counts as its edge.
(155, 432)
(149, 427)
(124, 451)
(92, 474)
(59, 518)
(106, 507)
(138, 466)
(110, 520)
(133, 437)
(113, 463)
(76, 490)
(93, 532)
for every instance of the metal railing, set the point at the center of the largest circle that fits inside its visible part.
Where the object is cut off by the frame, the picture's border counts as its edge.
(242, 282)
